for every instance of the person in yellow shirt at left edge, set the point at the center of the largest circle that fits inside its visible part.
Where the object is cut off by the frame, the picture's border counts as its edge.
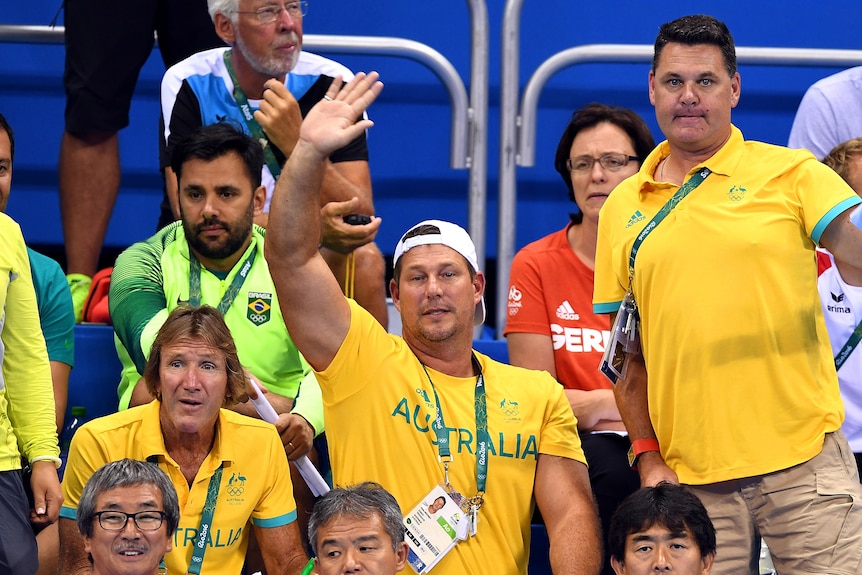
(27, 417)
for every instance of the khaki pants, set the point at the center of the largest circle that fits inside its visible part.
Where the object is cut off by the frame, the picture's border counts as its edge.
(810, 516)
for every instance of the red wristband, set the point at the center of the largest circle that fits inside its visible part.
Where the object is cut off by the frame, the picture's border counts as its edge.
(639, 447)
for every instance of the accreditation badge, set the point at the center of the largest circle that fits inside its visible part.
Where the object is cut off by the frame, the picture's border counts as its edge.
(434, 527)
(625, 339)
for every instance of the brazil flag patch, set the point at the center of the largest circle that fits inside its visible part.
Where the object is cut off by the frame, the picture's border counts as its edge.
(259, 307)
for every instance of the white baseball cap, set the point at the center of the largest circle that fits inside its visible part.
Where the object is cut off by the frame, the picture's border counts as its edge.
(447, 234)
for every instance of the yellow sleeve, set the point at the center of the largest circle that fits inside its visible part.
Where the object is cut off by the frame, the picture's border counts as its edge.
(26, 371)
(560, 428)
(309, 403)
(277, 506)
(86, 455)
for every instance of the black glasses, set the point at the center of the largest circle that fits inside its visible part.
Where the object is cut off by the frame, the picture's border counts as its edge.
(610, 162)
(116, 520)
(269, 14)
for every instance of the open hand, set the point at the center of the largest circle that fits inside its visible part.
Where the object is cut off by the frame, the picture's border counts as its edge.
(331, 124)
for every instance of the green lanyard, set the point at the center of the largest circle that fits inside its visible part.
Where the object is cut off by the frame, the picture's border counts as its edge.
(206, 518)
(206, 522)
(483, 439)
(232, 290)
(674, 200)
(848, 348)
(252, 125)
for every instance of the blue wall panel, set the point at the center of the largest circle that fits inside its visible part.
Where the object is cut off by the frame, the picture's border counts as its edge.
(410, 142)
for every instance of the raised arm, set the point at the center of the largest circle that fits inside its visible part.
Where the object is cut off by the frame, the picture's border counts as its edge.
(315, 310)
(341, 181)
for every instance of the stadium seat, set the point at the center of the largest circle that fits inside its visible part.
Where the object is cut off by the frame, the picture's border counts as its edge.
(94, 379)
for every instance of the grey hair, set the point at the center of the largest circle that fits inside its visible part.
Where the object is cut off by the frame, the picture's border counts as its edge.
(226, 7)
(126, 473)
(362, 500)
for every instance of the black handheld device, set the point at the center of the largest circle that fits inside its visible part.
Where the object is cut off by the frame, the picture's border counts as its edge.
(357, 219)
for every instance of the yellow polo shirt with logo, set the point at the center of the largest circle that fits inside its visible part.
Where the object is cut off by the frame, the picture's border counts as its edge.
(255, 485)
(379, 407)
(741, 376)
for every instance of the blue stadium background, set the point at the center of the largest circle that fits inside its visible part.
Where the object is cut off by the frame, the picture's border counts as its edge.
(410, 141)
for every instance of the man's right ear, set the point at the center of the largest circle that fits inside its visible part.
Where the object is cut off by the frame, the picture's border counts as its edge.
(619, 566)
(224, 28)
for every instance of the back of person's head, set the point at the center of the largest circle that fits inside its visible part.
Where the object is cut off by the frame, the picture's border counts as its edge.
(204, 326)
(213, 141)
(842, 157)
(592, 115)
(666, 505)
(362, 501)
(693, 30)
(126, 473)
(5, 127)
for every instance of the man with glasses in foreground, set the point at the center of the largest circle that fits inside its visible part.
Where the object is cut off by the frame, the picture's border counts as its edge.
(265, 55)
(127, 516)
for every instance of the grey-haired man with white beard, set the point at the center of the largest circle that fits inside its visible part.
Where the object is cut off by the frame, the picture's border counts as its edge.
(264, 40)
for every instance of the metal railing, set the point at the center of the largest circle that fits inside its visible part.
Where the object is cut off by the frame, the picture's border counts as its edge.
(377, 45)
(634, 53)
(469, 139)
(518, 124)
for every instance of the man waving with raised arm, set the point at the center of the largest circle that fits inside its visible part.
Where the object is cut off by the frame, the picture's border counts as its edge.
(487, 437)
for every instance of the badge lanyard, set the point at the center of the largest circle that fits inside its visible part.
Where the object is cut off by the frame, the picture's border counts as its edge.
(206, 518)
(674, 200)
(482, 440)
(232, 290)
(626, 328)
(252, 124)
(206, 522)
(848, 348)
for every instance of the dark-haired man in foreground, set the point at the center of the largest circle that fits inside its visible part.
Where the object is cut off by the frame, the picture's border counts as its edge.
(661, 528)
(357, 528)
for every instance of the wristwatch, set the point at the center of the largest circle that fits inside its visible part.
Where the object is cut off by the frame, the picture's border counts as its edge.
(639, 447)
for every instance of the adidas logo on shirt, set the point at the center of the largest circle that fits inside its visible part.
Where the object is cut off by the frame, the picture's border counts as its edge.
(636, 217)
(565, 311)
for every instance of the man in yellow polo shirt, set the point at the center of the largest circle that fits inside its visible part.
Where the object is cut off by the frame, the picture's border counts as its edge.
(423, 414)
(229, 470)
(735, 393)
